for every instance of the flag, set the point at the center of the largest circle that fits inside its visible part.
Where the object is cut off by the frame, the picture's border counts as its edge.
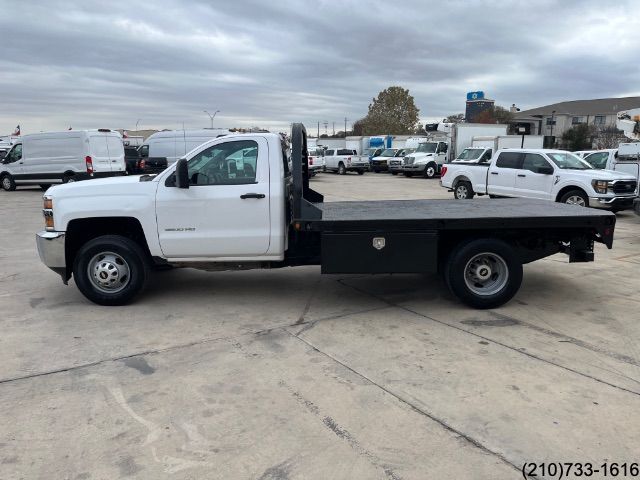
(16, 131)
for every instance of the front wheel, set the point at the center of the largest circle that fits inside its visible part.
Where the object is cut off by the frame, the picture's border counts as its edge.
(430, 171)
(575, 197)
(408, 174)
(360, 172)
(44, 187)
(8, 184)
(463, 191)
(484, 273)
(341, 169)
(110, 270)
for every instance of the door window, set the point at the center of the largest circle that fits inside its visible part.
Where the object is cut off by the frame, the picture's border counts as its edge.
(230, 163)
(14, 155)
(509, 160)
(144, 151)
(486, 156)
(329, 153)
(598, 160)
(533, 161)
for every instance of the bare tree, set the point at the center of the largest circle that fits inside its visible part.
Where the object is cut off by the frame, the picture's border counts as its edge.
(608, 137)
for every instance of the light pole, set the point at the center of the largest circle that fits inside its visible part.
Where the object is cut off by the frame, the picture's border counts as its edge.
(211, 117)
(137, 122)
(553, 122)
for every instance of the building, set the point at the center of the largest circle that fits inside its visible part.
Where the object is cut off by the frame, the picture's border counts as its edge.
(557, 118)
(477, 106)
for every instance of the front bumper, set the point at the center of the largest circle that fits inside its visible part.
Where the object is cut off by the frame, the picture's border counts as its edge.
(380, 165)
(619, 203)
(414, 168)
(51, 248)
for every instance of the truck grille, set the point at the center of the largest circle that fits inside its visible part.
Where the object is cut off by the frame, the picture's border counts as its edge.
(624, 186)
(408, 160)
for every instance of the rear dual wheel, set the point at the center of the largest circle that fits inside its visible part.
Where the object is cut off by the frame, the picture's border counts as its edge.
(484, 273)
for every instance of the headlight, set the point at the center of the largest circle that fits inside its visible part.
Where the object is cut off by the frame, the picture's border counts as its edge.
(47, 211)
(600, 186)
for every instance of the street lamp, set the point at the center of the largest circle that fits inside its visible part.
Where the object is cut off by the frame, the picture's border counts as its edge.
(137, 122)
(211, 116)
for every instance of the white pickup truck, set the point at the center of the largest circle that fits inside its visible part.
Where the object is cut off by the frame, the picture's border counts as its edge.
(241, 201)
(554, 175)
(343, 160)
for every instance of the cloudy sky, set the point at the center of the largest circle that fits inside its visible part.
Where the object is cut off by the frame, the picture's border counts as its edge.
(90, 64)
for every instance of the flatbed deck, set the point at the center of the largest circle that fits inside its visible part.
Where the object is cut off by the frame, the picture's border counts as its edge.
(457, 214)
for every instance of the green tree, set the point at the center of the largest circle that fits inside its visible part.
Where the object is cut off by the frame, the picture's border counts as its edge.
(392, 112)
(579, 137)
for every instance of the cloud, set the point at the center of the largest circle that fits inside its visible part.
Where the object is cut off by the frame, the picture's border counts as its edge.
(95, 64)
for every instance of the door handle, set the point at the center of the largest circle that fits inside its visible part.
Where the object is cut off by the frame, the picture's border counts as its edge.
(252, 195)
(494, 173)
(521, 175)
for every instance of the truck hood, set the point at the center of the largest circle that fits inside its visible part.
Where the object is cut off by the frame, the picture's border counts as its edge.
(599, 174)
(420, 156)
(99, 186)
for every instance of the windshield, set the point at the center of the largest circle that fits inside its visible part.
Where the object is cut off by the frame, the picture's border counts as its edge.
(427, 147)
(568, 161)
(405, 151)
(470, 154)
(389, 152)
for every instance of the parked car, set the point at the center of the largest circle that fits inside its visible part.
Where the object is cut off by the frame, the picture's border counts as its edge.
(554, 175)
(343, 160)
(316, 161)
(396, 163)
(163, 148)
(60, 157)
(132, 160)
(380, 163)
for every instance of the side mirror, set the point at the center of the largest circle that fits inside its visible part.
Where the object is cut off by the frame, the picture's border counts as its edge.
(182, 173)
(546, 170)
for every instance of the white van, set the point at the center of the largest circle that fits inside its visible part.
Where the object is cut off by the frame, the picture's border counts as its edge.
(60, 157)
(164, 148)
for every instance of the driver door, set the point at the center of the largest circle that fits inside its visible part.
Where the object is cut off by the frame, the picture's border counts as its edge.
(13, 162)
(225, 210)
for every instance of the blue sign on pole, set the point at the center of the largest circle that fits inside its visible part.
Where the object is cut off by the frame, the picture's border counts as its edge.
(475, 95)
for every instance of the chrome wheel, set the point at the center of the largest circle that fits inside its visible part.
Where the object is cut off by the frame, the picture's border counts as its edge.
(6, 183)
(109, 272)
(462, 192)
(575, 200)
(486, 274)
(430, 172)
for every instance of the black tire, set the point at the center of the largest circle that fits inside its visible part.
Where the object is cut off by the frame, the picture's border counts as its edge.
(503, 275)
(44, 187)
(394, 173)
(572, 196)
(463, 190)
(115, 245)
(68, 177)
(342, 169)
(430, 170)
(8, 183)
(360, 172)
(408, 174)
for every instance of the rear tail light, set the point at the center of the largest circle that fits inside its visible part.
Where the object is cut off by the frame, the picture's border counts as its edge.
(349, 160)
(89, 164)
(143, 164)
(443, 171)
(310, 160)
